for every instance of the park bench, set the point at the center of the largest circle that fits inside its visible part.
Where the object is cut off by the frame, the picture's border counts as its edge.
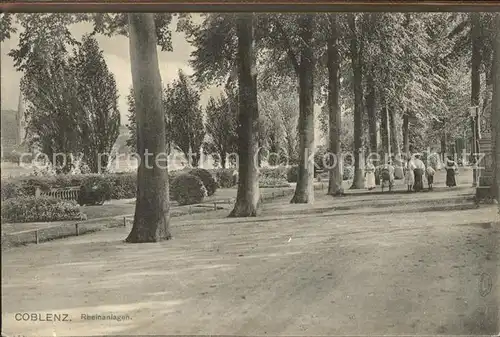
(65, 193)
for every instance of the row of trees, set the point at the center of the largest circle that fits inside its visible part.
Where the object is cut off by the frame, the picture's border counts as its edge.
(387, 64)
(386, 67)
(190, 128)
(71, 101)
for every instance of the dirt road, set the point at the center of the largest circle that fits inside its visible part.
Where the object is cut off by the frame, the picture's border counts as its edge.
(423, 263)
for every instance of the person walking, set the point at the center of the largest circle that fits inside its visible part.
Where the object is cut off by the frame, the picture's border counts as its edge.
(387, 175)
(409, 174)
(430, 172)
(419, 170)
(451, 168)
(370, 176)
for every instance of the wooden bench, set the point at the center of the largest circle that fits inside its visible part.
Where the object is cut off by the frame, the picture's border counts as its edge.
(66, 193)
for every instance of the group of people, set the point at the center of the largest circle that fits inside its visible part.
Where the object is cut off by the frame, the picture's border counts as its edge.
(414, 170)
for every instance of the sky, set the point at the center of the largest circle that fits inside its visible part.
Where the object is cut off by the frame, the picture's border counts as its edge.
(116, 53)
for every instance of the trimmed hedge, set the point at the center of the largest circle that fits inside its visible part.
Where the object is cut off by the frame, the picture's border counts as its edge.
(187, 189)
(31, 209)
(95, 191)
(225, 177)
(206, 177)
(273, 182)
(292, 174)
(273, 173)
(124, 186)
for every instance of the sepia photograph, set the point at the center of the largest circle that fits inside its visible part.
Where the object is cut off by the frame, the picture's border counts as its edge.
(250, 171)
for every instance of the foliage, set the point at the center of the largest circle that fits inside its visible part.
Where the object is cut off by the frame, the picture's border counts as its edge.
(52, 111)
(292, 174)
(121, 185)
(206, 177)
(221, 124)
(188, 189)
(183, 108)
(97, 104)
(124, 186)
(269, 182)
(6, 26)
(279, 112)
(71, 97)
(41, 209)
(273, 173)
(215, 42)
(95, 191)
(348, 172)
(225, 178)
(11, 189)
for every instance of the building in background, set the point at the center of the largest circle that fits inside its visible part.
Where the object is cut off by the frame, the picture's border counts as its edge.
(13, 128)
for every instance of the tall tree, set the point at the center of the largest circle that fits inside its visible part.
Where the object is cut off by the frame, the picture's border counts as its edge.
(334, 111)
(98, 101)
(371, 95)
(152, 216)
(289, 53)
(279, 105)
(221, 124)
(475, 81)
(356, 50)
(184, 111)
(52, 112)
(495, 115)
(271, 130)
(304, 191)
(247, 197)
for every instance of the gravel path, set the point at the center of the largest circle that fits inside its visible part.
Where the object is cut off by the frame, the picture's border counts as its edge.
(421, 263)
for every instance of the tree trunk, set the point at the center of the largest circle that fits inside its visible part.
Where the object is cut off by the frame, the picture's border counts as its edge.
(372, 113)
(222, 156)
(304, 190)
(396, 150)
(444, 141)
(475, 80)
(384, 133)
(355, 50)
(334, 112)
(406, 134)
(152, 211)
(247, 197)
(495, 111)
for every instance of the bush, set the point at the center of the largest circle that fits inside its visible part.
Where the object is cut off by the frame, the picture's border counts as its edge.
(274, 173)
(292, 174)
(124, 186)
(187, 189)
(95, 190)
(11, 190)
(207, 179)
(348, 173)
(31, 209)
(273, 182)
(225, 178)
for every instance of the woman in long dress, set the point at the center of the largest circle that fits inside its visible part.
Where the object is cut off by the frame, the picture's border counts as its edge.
(370, 176)
(409, 175)
(451, 168)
